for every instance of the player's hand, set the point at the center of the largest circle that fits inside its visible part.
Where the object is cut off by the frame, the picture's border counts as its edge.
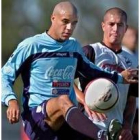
(98, 116)
(13, 112)
(130, 76)
(93, 115)
(126, 134)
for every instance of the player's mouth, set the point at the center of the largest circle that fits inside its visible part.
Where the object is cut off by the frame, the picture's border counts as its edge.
(66, 34)
(114, 35)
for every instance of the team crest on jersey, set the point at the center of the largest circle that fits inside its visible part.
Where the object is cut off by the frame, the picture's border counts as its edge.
(60, 91)
(8, 69)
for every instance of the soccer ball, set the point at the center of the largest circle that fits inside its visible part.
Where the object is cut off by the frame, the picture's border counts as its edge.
(101, 95)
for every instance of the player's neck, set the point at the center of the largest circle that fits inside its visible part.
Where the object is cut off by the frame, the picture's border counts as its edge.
(53, 35)
(114, 47)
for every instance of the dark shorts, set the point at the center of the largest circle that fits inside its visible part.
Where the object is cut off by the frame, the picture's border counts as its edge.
(34, 124)
(36, 128)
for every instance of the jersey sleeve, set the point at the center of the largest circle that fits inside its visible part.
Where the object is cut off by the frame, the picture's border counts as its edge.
(10, 72)
(90, 54)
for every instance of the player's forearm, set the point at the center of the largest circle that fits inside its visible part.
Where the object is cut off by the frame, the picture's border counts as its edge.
(79, 95)
(7, 92)
(129, 113)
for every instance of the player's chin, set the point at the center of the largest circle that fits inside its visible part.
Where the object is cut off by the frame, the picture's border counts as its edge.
(114, 41)
(65, 37)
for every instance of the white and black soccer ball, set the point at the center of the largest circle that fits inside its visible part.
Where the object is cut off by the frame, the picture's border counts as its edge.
(101, 95)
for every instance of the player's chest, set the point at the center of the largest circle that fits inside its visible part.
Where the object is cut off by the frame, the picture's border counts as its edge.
(54, 67)
(110, 61)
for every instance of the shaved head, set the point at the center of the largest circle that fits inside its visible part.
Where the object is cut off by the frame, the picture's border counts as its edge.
(63, 7)
(115, 11)
(64, 19)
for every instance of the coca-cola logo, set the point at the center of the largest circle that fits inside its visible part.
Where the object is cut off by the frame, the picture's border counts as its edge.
(65, 73)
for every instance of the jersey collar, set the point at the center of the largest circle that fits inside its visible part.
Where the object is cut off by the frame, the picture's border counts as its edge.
(116, 52)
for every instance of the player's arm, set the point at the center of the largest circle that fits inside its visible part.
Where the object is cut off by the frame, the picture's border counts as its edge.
(130, 108)
(81, 99)
(8, 96)
(129, 115)
(9, 73)
(79, 95)
(89, 70)
(129, 112)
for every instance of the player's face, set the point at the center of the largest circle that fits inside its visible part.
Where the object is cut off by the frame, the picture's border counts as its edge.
(114, 27)
(64, 25)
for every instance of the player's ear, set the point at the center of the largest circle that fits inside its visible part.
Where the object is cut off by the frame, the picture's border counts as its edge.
(103, 25)
(52, 17)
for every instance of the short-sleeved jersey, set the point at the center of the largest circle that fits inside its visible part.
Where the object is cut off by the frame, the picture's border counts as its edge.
(47, 68)
(109, 60)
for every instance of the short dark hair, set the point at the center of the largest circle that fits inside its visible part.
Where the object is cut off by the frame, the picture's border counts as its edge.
(116, 10)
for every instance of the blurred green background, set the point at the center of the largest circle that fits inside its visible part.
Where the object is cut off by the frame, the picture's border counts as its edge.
(24, 18)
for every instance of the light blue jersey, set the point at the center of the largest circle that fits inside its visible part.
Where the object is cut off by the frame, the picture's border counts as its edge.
(47, 68)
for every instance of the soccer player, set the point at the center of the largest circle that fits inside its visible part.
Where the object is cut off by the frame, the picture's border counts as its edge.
(109, 55)
(47, 63)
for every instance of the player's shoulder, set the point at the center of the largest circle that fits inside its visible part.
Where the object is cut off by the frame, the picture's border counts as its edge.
(98, 46)
(73, 40)
(30, 41)
(74, 44)
(95, 46)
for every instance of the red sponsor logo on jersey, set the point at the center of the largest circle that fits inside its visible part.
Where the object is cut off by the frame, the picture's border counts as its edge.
(61, 84)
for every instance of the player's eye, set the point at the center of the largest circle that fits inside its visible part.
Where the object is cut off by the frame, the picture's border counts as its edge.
(111, 24)
(65, 21)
